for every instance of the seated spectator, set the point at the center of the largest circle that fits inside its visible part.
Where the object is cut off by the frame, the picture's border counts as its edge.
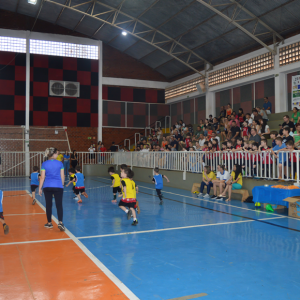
(154, 140)
(222, 113)
(173, 143)
(248, 119)
(229, 110)
(207, 180)
(191, 129)
(286, 135)
(233, 119)
(263, 114)
(297, 136)
(246, 129)
(267, 106)
(241, 116)
(280, 129)
(279, 156)
(256, 125)
(202, 140)
(226, 133)
(173, 129)
(216, 125)
(201, 124)
(288, 123)
(206, 127)
(177, 125)
(220, 181)
(234, 183)
(159, 133)
(257, 116)
(164, 142)
(215, 137)
(210, 120)
(185, 133)
(177, 136)
(235, 130)
(181, 123)
(197, 147)
(196, 137)
(273, 136)
(254, 136)
(265, 129)
(295, 117)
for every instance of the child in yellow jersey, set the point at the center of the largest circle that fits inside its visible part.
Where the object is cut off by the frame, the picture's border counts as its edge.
(137, 207)
(72, 177)
(128, 202)
(116, 183)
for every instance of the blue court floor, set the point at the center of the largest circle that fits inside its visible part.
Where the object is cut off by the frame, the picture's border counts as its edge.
(187, 246)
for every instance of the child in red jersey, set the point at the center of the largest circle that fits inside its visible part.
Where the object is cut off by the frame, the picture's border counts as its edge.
(266, 158)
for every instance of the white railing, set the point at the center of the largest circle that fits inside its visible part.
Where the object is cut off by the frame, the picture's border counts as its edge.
(261, 164)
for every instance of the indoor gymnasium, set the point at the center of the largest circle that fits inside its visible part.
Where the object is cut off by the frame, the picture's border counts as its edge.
(149, 149)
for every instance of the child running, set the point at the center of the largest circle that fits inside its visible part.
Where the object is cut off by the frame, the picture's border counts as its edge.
(116, 183)
(72, 180)
(79, 186)
(159, 184)
(128, 201)
(5, 226)
(34, 182)
(137, 207)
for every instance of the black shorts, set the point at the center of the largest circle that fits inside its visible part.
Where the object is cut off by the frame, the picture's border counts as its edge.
(116, 189)
(33, 187)
(73, 188)
(77, 191)
(127, 204)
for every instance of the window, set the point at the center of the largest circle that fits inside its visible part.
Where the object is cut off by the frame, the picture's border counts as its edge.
(246, 68)
(183, 88)
(12, 44)
(63, 49)
(289, 54)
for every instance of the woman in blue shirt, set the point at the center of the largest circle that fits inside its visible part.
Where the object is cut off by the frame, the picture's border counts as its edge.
(66, 163)
(52, 181)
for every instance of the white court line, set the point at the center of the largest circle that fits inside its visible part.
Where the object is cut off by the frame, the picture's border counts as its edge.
(174, 228)
(127, 292)
(34, 242)
(215, 202)
(9, 215)
(15, 187)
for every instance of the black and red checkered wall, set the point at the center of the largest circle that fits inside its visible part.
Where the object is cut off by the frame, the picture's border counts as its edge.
(47, 110)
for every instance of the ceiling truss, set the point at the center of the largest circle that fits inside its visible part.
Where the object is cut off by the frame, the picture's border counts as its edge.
(139, 34)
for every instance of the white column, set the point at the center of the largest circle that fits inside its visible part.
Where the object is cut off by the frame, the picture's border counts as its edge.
(100, 100)
(27, 105)
(281, 100)
(210, 104)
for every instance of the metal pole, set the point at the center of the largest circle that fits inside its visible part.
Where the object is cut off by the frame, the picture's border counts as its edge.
(27, 106)
(100, 100)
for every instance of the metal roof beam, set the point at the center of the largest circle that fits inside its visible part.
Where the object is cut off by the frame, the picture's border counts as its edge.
(93, 3)
(62, 10)
(237, 25)
(136, 35)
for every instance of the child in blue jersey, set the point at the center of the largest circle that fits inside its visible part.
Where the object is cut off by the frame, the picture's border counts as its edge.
(5, 226)
(34, 182)
(79, 186)
(159, 184)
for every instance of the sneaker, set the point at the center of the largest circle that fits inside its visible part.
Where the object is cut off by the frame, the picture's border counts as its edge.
(61, 227)
(75, 198)
(129, 215)
(213, 197)
(34, 201)
(79, 201)
(200, 195)
(85, 194)
(161, 202)
(6, 229)
(135, 223)
(48, 225)
(219, 198)
(206, 196)
(138, 207)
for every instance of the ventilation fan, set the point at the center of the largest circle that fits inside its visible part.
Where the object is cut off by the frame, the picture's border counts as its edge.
(64, 88)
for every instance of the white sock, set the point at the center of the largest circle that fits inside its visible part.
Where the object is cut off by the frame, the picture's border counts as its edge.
(126, 211)
(134, 219)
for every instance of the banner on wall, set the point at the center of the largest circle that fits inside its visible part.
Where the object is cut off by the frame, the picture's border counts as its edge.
(296, 91)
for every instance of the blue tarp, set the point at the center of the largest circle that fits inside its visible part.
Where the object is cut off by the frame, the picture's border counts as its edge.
(266, 194)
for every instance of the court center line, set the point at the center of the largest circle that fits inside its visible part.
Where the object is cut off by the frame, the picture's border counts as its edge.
(210, 201)
(172, 228)
(126, 291)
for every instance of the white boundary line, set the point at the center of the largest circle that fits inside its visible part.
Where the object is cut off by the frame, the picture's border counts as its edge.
(29, 214)
(97, 262)
(34, 242)
(215, 202)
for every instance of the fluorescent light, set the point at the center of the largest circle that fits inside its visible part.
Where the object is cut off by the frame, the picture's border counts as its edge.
(124, 33)
(32, 2)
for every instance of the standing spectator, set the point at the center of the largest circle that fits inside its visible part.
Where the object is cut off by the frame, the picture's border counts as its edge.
(295, 117)
(281, 158)
(286, 135)
(297, 136)
(74, 159)
(60, 157)
(222, 113)
(210, 120)
(254, 136)
(102, 150)
(66, 163)
(225, 133)
(92, 153)
(267, 105)
(52, 182)
(229, 110)
(113, 147)
(159, 133)
(241, 116)
(288, 123)
(206, 127)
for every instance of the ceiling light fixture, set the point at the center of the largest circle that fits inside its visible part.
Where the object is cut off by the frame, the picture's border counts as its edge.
(32, 2)
(124, 33)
